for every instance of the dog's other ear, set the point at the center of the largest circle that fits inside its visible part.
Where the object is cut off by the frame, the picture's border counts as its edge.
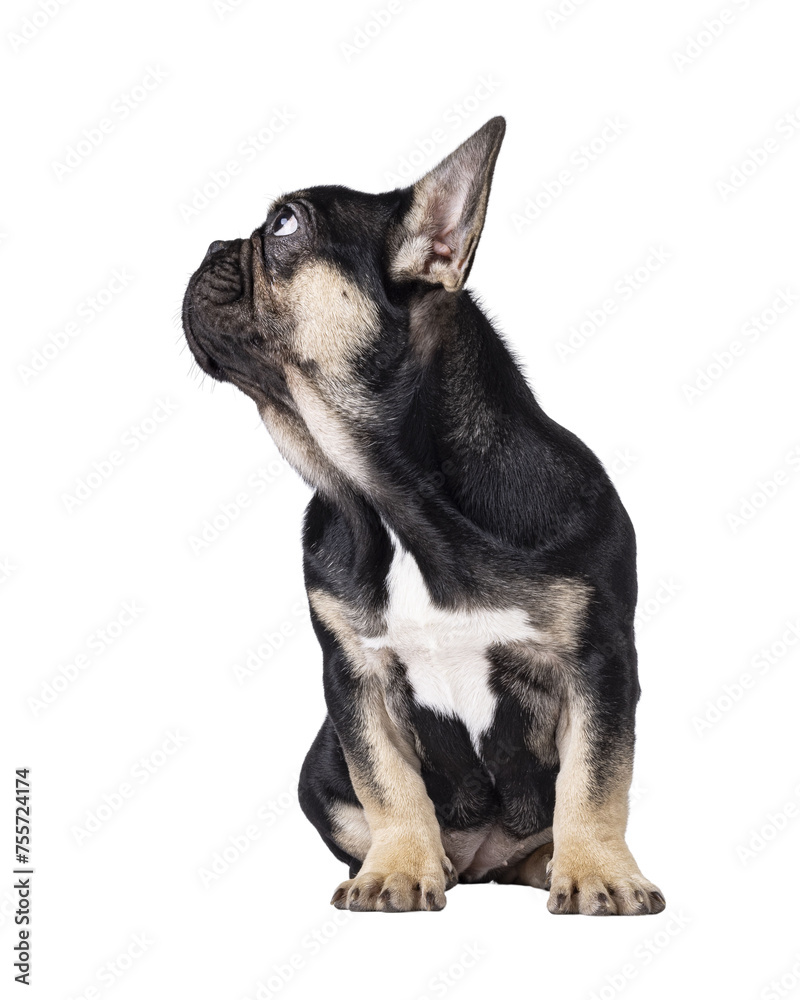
(436, 238)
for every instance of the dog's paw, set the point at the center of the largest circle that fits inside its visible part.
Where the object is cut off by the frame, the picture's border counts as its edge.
(395, 892)
(533, 870)
(597, 886)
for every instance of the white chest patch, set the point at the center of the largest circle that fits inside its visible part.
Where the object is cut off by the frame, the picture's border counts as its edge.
(443, 651)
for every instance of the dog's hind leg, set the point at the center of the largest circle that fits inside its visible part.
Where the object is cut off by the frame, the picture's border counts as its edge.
(532, 870)
(327, 798)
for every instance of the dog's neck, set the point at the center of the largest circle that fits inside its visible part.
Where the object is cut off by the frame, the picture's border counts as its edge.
(426, 451)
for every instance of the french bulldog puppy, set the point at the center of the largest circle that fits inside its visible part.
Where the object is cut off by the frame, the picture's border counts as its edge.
(470, 568)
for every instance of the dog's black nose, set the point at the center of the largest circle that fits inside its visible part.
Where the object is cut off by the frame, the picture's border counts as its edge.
(213, 247)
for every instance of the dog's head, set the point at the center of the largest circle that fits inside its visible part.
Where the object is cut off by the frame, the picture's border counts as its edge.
(321, 293)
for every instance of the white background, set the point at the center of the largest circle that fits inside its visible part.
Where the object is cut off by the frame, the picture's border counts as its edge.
(717, 765)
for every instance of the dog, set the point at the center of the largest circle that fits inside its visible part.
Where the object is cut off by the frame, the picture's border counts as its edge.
(470, 568)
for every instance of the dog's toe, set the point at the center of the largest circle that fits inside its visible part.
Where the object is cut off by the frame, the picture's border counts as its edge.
(395, 892)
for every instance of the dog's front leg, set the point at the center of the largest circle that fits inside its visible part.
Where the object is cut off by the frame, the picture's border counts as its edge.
(592, 870)
(405, 867)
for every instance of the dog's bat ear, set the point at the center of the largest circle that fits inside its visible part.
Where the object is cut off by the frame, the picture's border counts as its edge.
(437, 235)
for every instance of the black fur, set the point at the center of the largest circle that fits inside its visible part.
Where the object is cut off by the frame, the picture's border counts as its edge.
(490, 496)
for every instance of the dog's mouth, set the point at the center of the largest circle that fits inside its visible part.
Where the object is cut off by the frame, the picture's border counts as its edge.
(201, 354)
(219, 323)
(213, 296)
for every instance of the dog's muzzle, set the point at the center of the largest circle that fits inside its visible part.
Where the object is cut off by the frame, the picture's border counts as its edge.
(216, 305)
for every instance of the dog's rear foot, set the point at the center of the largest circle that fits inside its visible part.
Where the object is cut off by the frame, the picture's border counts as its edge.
(531, 870)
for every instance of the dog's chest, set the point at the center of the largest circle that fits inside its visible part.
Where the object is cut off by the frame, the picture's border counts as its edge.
(445, 653)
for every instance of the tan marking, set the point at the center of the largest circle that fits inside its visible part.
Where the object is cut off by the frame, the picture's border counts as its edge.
(334, 320)
(576, 806)
(396, 834)
(330, 322)
(412, 252)
(590, 853)
(301, 451)
(405, 840)
(561, 607)
(330, 431)
(350, 829)
(350, 628)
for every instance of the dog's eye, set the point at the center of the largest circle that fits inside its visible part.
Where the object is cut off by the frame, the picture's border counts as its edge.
(285, 222)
